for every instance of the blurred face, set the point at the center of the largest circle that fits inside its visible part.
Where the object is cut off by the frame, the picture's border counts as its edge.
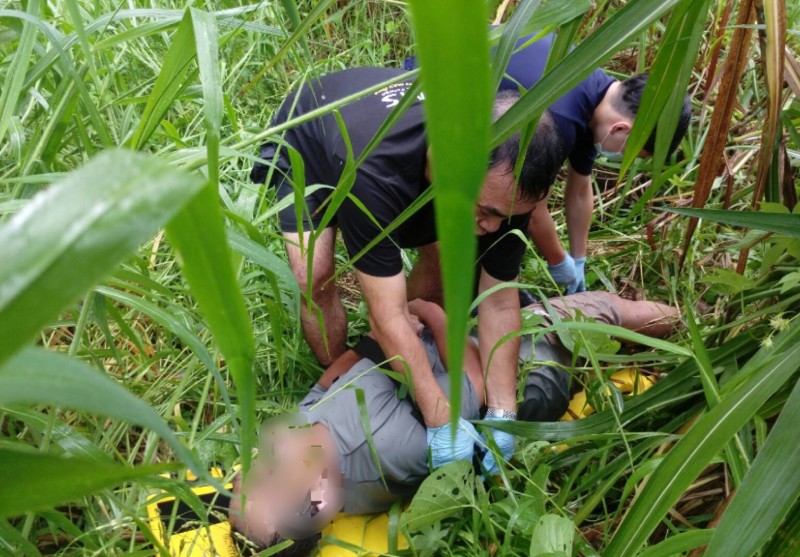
(498, 200)
(294, 486)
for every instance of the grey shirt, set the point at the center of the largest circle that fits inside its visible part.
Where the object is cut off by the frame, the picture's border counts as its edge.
(399, 435)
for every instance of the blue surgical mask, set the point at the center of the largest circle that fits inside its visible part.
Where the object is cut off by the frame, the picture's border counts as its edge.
(611, 156)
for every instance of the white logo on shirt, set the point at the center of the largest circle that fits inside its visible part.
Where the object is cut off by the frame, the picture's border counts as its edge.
(392, 94)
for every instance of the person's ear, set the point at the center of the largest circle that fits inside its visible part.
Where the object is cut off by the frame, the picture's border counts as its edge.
(621, 126)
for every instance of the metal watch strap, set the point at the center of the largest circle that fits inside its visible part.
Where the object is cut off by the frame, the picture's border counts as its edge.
(492, 413)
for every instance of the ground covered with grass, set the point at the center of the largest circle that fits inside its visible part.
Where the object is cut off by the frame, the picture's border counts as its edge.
(646, 475)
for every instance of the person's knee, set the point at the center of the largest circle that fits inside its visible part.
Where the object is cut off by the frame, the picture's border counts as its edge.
(318, 281)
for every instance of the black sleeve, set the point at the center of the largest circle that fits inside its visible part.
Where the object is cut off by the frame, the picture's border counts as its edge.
(360, 228)
(500, 253)
(582, 156)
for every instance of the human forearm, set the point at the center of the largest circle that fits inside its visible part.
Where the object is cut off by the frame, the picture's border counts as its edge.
(432, 316)
(578, 205)
(542, 230)
(397, 338)
(499, 316)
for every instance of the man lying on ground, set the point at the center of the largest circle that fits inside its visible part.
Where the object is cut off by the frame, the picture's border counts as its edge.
(323, 461)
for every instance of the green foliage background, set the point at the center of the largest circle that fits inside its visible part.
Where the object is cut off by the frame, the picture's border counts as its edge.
(148, 317)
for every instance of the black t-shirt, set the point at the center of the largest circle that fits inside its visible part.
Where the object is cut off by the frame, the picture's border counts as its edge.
(573, 111)
(390, 178)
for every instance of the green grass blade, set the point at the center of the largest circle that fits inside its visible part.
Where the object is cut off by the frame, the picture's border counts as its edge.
(679, 544)
(205, 39)
(15, 75)
(169, 83)
(70, 235)
(665, 91)
(786, 540)
(780, 223)
(770, 488)
(42, 481)
(454, 68)
(36, 376)
(198, 234)
(621, 28)
(508, 40)
(175, 325)
(704, 440)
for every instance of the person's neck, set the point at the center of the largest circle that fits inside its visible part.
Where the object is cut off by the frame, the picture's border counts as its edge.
(605, 110)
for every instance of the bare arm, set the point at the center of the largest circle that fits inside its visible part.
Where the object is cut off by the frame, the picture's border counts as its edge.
(433, 317)
(578, 204)
(542, 231)
(339, 366)
(498, 316)
(388, 317)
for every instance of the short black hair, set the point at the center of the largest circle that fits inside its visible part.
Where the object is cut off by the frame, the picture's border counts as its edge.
(627, 102)
(253, 545)
(248, 546)
(543, 158)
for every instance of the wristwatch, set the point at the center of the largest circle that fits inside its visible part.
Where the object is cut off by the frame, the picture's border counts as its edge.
(500, 414)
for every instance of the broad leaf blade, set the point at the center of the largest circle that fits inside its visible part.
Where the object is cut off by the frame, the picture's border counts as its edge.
(70, 235)
(785, 224)
(198, 234)
(454, 68)
(42, 481)
(36, 376)
(767, 371)
(770, 488)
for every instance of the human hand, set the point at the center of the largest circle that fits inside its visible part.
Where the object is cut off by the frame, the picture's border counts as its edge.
(446, 449)
(505, 443)
(580, 275)
(416, 324)
(564, 273)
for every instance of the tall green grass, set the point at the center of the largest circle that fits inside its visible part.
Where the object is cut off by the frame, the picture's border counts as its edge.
(148, 319)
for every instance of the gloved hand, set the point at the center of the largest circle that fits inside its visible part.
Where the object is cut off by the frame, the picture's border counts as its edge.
(564, 273)
(445, 449)
(504, 441)
(580, 275)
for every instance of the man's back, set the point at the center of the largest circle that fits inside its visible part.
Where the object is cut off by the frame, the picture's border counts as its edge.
(573, 111)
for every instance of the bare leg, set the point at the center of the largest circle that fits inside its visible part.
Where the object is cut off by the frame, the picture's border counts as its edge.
(425, 279)
(326, 341)
(649, 318)
(653, 319)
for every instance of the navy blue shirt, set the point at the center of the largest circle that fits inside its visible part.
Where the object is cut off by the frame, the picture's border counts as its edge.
(573, 111)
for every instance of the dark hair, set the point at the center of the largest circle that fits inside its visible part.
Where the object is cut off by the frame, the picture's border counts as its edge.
(628, 103)
(543, 158)
(250, 546)
(253, 545)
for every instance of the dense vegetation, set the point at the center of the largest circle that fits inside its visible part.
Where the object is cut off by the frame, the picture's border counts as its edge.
(147, 315)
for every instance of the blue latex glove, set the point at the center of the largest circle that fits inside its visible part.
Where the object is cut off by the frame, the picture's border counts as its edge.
(505, 442)
(445, 449)
(564, 273)
(580, 275)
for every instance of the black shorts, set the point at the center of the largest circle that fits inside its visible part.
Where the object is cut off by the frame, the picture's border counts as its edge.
(311, 212)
